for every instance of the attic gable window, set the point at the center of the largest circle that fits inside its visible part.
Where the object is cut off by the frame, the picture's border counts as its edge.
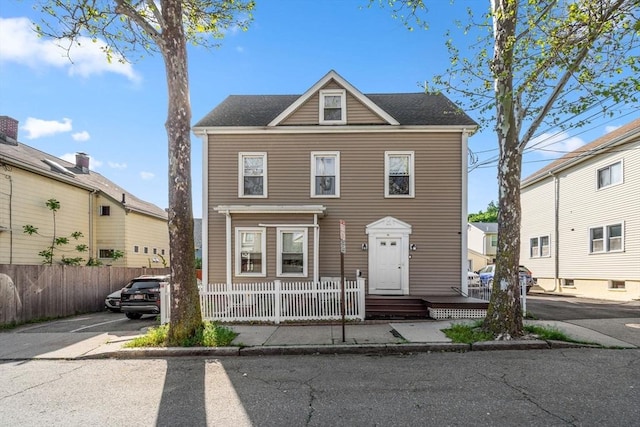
(105, 210)
(333, 107)
(252, 179)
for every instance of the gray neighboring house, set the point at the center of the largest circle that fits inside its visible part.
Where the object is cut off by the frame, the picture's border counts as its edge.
(581, 219)
(282, 171)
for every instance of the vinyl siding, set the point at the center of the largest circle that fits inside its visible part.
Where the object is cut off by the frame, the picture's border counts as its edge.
(583, 206)
(309, 112)
(110, 230)
(434, 213)
(30, 192)
(142, 230)
(538, 218)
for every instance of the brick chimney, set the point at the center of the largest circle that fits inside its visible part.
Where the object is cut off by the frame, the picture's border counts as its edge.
(9, 129)
(82, 162)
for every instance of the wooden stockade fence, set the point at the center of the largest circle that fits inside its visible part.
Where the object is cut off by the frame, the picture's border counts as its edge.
(29, 292)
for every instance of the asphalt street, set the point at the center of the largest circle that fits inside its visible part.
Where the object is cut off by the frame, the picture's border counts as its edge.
(587, 387)
(554, 307)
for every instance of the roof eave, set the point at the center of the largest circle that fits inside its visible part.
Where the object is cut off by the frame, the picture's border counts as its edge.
(622, 139)
(221, 130)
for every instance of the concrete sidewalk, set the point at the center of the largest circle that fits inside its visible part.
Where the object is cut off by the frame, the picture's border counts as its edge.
(368, 337)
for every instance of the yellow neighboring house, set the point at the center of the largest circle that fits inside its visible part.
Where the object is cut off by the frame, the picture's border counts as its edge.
(109, 218)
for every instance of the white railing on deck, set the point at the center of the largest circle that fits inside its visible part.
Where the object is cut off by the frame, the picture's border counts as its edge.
(277, 301)
(484, 293)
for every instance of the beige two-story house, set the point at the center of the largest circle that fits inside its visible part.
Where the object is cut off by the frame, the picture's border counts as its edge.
(109, 218)
(581, 219)
(282, 171)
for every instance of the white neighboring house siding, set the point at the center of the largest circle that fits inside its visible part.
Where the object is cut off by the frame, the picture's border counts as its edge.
(537, 202)
(475, 238)
(581, 207)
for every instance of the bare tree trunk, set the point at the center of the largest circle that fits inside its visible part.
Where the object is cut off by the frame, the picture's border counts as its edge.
(504, 316)
(186, 318)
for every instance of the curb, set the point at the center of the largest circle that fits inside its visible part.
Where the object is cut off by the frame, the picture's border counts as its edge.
(307, 350)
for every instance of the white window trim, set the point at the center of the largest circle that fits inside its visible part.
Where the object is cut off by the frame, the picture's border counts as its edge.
(412, 174)
(315, 154)
(539, 254)
(343, 106)
(263, 248)
(305, 251)
(605, 238)
(241, 156)
(598, 188)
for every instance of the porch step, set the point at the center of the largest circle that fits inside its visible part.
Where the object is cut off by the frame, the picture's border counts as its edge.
(395, 307)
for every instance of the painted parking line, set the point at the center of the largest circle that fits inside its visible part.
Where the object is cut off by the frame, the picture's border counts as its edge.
(99, 324)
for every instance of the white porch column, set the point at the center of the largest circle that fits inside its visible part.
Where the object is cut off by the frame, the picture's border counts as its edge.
(316, 249)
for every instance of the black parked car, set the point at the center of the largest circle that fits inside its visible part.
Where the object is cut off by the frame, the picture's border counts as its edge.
(142, 296)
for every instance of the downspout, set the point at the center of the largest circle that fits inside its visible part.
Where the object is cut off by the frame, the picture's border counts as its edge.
(316, 248)
(463, 220)
(92, 194)
(556, 233)
(227, 215)
(10, 218)
(205, 209)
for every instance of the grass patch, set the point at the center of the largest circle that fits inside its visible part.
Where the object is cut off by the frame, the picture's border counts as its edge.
(210, 335)
(546, 333)
(467, 333)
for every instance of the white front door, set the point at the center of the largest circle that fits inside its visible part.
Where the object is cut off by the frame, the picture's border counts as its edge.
(388, 265)
(388, 256)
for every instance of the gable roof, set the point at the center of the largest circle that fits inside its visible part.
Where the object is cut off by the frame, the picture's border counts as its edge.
(39, 162)
(621, 135)
(486, 227)
(408, 109)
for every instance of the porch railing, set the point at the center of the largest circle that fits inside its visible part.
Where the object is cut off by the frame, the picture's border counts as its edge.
(279, 301)
(484, 293)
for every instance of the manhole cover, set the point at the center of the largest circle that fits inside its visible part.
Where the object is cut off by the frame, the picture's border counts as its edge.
(633, 325)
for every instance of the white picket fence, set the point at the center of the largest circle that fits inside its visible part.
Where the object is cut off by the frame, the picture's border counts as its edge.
(277, 301)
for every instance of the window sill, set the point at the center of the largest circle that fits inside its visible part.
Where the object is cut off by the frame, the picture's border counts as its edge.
(617, 289)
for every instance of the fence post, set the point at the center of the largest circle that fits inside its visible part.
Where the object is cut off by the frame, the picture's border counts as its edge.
(165, 303)
(361, 308)
(277, 312)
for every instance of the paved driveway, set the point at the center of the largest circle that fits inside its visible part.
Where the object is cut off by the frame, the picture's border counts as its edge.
(554, 307)
(104, 321)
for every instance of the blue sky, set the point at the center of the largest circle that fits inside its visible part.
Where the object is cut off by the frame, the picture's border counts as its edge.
(116, 113)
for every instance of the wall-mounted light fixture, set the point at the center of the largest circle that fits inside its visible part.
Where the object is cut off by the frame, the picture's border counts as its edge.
(364, 247)
(413, 247)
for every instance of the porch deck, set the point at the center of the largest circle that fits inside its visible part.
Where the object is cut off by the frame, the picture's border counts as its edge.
(421, 306)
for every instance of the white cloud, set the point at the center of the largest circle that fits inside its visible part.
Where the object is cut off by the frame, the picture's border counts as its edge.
(115, 165)
(552, 145)
(147, 175)
(608, 129)
(81, 136)
(37, 128)
(19, 43)
(71, 158)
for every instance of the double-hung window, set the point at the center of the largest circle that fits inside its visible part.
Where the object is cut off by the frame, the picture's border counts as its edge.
(325, 174)
(399, 174)
(606, 238)
(610, 175)
(333, 107)
(250, 252)
(539, 247)
(252, 179)
(292, 252)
